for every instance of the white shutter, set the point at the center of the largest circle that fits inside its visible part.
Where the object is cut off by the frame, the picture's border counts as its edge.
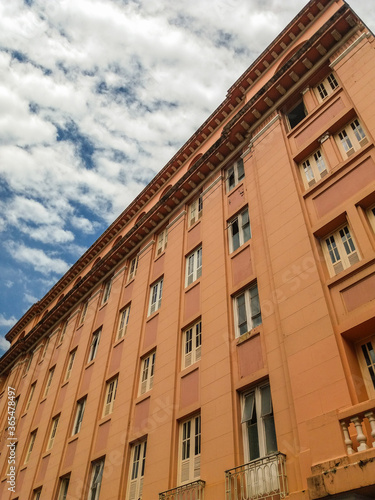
(353, 258)
(197, 467)
(188, 359)
(198, 353)
(133, 490)
(185, 470)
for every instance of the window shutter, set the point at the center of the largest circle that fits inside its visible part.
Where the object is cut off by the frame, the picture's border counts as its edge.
(133, 490)
(338, 267)
(197, 467)
(198, 353)
(188, 360)
(353, 258)
(185, 469)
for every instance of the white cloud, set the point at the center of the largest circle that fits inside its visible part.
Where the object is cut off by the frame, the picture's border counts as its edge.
(4, 344)
(37, 258)
(8, 322)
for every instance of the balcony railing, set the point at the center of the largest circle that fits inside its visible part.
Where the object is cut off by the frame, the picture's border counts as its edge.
(261, 478)
(359, 431)
(190, 491)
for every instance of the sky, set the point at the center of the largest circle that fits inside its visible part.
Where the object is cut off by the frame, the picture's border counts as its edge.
(95, 97)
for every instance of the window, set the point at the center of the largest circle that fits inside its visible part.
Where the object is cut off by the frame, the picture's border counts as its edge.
(96, 479)
(239, 230)
(162, 241)
(110, 396)
(72, 356)
(234, 174)
(133, 268)
(45, 348)
(371, 216)
(137, 471)
(155, 296)
(37, 493)
(190, 450)
(247, 310)
(195, 210)
(193, 266)
(339, 250)
(63, 489)
(366, 355)
(313, 169)
(83, 312)
(191, 345)
(258, 423)
(31, 393)
(63, 332)
(107, 291)
(147, 377)
(123, 322)
(30, 446)
(326, 87)
(296, 114)
(351, 138)
(49, 381)
(28, 364)
(94, 345)
(55, 423)
(79, 415)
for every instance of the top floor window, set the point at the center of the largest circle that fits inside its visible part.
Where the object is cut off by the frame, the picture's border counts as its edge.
(195, 210)
(83, 312)
(107, 291)
(162, 241)
(234, 174)
(296, 114)
(326, 87)
(133, 268)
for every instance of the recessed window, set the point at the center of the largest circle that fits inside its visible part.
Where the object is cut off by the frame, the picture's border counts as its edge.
(351, 138)
(37, 494)
(133, 268)
(110, 396)
(313, 169)
(30, 446)
(258, 423)
(239, 230)
(83, 312)
(107, 291)
(234, 174)
(247, 310)
(80, 410)
(137, 471)
(94, 345)
(147, 373)
(46, 344)
(69, 368)
(371, 216)
(123, 322)
(63, 487)
(28, 364)
(96, 479)
(55, 423)
(192, 345)
(326, 87)
(340, 250)
(162, 241)
(296, 114)
(63, 332)
(190, 450)
(193, 266)
(156, 292)
(195, 210)
(366, 355)
(49, 381)
(30, 397)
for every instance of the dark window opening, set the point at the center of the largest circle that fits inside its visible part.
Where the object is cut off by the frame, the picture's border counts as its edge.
(296, 115)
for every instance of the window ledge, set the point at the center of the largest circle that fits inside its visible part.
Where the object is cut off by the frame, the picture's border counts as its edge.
(192, 285)
(80, 326)
(105, 419)
(42, 400)
(46, 454)
(189, 369)
(248, 335)
(103, 306)
(157, 257)
(117, 342)
(152, 316)
(73, 438)
(236, 188)
(143, 397)
(89, 364)
(240, 249)
(65, 383)
(129, 282)
(195, 224)
(334, 280)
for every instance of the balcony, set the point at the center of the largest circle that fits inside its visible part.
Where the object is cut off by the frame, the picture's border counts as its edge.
(359, 431)
(261, 478)
(190, 491)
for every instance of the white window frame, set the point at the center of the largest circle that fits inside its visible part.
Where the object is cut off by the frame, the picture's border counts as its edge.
(147, 373)
(94, 345)
(192, 344)
(371, 216)
(366, 356)
(28, 364)
(80, 411)
(162, 242)
(107, 291)
(53, 431)
(234, 174)
(123, 321)
(30, 446)
(247, 308)
(45, 347)
(193, 266)
(258, 425)
(241, 224)
(64, 487)
(30, 397)
(82, 317)
(49, 381)
(326, 87)
(110, 396)
(137, 470)
(195, 210)
(97, 468)
(340, 250)
(190, 450)
(63, 332)
(133, 266)
(69, 367)
(156, 293)
(351, 138)
(313, 168)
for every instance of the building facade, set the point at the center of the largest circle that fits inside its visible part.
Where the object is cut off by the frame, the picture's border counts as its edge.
(218, 340)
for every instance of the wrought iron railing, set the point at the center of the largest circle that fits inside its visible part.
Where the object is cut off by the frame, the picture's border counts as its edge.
(258, 479)
(190, 491)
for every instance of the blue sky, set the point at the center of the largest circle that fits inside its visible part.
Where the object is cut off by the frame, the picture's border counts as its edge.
(95, 97)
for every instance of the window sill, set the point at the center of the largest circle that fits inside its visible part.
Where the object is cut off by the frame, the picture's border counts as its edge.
(240, 249)
(236, 188)
(89, 364)
(64, 383)
(46, 454)
(143, 397)
(195, 224)
(103, 306)
(189, 369)
(42, 400)
(80, 326)
(248, 335)
(192, 285)
(105, 419)
(129, 282)
(157, 257)
(346, 273)
(73, 438)
(117, 342)
(152, 316)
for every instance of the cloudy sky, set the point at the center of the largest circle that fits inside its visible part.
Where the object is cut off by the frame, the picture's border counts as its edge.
(95, 97)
